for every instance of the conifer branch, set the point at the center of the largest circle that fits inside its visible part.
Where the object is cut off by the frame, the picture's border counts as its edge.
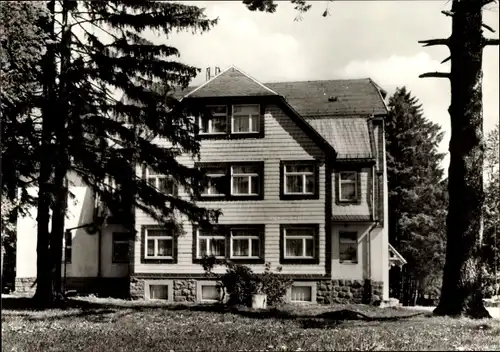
(95, 25)
(435, 75)
(446, 60)
(491, 42)
(488, 28)
(451, 14)
(434, 42)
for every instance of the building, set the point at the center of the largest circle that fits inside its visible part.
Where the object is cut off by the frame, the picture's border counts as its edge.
(299, 172)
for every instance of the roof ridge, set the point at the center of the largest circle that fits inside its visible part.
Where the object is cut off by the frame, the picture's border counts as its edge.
(204, 84)
(333, 116)
(382, 93)
(323, 80)
(306, 81)
(255, 80)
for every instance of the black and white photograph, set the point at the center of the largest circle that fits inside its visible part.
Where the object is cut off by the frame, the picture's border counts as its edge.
(250, 175)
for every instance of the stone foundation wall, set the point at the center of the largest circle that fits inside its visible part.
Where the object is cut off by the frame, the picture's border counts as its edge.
(184, 291)
(327, 291)
(377, 289)
(347, 291)
(25, 284)
(136, 288)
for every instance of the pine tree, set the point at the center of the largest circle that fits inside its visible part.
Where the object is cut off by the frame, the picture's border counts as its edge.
(22, 43)
(461, 292)
(88, 131)
(417, 202)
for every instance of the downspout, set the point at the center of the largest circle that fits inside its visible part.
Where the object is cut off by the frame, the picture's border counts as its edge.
(99, 251)
(99, 237)
(368, 281)
(375, 223)
(65, 261)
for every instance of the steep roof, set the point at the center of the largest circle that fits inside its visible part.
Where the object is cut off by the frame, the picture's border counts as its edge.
(337, 110)
(232, 83)
(332, 97)
(308, 98)
(348, 135)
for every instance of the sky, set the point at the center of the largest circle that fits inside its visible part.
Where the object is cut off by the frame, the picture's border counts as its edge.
(359, 39)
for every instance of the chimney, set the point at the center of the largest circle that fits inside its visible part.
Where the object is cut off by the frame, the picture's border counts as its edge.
(209, 75)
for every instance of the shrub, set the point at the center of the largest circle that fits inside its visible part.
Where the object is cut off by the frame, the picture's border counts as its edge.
(490, 286)
(275, 285)
(239, 282)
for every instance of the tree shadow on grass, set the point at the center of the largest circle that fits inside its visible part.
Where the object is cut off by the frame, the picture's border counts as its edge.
(333, 319)
(108, 311)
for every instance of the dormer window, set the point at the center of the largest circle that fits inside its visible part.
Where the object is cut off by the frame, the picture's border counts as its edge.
(232, 121)
(216, 123)
(245, 119)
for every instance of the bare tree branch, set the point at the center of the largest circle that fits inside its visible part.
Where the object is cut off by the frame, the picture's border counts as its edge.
(433, 42)
(449, 13)
(435, 75)
(446, 60)
(488, 28)
(491, 42)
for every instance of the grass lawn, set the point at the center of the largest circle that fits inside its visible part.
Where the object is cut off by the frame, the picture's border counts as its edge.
(91, 324)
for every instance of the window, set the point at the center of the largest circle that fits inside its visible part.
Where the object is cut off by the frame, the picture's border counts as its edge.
(159, 289)
(210, 244)
(158, 292)
(209, 293)
(159, 244)
(239, 180)
(299, 180)
(348, 246)
(111, 183)
(164, 183)
(301, 294)
(299, 242)
(245, 180)
(347, 185)
(245, 243)
(120, 247)
(245, 119)
(215, 181)
(241, 242)
(67, 245)
(216, 124)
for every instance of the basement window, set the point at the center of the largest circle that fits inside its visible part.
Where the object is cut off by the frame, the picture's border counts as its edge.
(158, 289)
(302, 292)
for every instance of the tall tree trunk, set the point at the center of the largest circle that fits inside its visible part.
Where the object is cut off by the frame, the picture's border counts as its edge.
(43, 295)
(57, 233)
(461, 290)
(61, 168)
